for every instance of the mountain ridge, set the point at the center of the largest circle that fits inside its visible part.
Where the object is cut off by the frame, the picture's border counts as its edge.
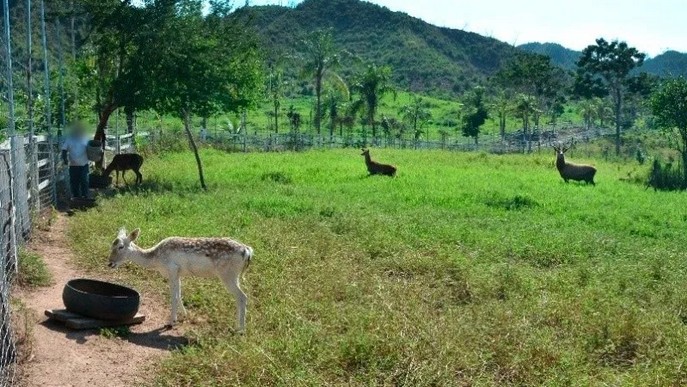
(668, 64)
(424, 57)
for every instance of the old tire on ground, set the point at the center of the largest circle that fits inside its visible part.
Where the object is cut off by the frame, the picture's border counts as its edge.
(100, 300)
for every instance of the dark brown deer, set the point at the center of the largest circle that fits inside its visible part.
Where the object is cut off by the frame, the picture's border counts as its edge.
(570, 171)
(376, 168)
(125, 162)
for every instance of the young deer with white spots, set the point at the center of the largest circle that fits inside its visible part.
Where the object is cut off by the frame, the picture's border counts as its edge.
(201, 257)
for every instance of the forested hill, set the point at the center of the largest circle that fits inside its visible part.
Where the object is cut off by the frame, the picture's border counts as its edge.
(668, 64)
(423, 57)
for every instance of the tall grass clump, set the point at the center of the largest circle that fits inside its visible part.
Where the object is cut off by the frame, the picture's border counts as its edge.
(32, 271)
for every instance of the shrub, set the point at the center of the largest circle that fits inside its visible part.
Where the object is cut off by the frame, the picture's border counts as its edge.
(666, 177)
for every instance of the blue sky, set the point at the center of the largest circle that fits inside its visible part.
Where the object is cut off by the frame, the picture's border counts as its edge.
(652, 26)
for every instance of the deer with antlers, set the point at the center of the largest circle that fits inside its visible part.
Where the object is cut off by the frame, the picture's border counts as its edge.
(570, 171)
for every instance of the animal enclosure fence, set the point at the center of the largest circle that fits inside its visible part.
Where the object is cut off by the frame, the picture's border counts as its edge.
(29, 175)
(294, 141)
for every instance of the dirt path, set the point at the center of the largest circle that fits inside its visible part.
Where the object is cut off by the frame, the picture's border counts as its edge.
(84, 358)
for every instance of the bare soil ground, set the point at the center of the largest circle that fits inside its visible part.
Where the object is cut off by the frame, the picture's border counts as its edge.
(61, 357)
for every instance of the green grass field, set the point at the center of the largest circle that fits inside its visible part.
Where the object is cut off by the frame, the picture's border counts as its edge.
(467, 269)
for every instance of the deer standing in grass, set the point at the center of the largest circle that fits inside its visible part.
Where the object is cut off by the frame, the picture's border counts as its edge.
(201, 257)
(124, 162)
(570, 171)
(375, 168)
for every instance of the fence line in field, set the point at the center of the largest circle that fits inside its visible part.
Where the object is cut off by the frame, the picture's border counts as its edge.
(294, 141)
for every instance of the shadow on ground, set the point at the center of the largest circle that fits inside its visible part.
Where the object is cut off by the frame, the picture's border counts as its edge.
(161, 338)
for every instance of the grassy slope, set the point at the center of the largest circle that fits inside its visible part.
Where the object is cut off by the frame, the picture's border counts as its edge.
(466, 268)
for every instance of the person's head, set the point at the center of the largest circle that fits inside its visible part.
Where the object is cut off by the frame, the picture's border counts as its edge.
(77, 129)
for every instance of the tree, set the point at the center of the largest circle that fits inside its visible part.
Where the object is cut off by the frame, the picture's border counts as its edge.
(605, 69)
(536, 76)
(475, 113)
(525, 108)
(321, 57)
(416, 114)
(110, 63)
(588, 112)
(669, 106)
(337, 95)
(201, 65)
(503, 106)
(371, 86)
(275, 89)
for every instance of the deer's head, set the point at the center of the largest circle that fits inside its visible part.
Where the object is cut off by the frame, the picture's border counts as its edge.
(122, 247)
(560, 151)
(366, 152)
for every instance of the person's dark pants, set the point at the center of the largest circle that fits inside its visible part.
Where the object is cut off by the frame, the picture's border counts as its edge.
(78, 179)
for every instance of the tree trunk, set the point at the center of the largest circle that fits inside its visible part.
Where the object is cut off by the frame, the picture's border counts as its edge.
(129, 112)
(618, 123)
(276, 117)
(101, 130)
(194, 148)
(683, 132)
(502, 127)
(318, 108)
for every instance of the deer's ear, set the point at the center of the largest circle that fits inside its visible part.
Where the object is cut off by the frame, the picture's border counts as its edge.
(122, 233)
(134, 234)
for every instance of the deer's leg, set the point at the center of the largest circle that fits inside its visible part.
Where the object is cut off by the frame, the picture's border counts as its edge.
(124, 178)
(231, 282)
(139, 176)
(175, 295)
(117, 176)
(180, 300)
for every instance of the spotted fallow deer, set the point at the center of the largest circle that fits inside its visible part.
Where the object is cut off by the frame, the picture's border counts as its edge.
(177, 257)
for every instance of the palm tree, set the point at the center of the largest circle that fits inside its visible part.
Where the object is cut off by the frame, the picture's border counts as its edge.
(588, 112)
(371, 86)
(337, 94)
(525, 108)
(276, 92)
(502, 106)
(604, 111)
(321, 58)
(416, 114)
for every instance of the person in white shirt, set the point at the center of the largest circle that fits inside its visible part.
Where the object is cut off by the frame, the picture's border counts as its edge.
(74, 154)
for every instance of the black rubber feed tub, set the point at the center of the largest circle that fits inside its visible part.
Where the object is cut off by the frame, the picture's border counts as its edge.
(100, 300)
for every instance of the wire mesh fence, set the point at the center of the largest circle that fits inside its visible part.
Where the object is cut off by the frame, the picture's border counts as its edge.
(243, 141)
(27, 185)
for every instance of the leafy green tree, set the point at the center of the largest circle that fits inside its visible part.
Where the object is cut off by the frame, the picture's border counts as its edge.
(321, 58)
(475, 113)
(669, 106)
(605, 69)
(416, 114)
(372, 85)
(203, 65)
(536, 76)
(110, 63)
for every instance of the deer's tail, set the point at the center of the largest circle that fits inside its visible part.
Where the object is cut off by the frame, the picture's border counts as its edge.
(247, 258)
